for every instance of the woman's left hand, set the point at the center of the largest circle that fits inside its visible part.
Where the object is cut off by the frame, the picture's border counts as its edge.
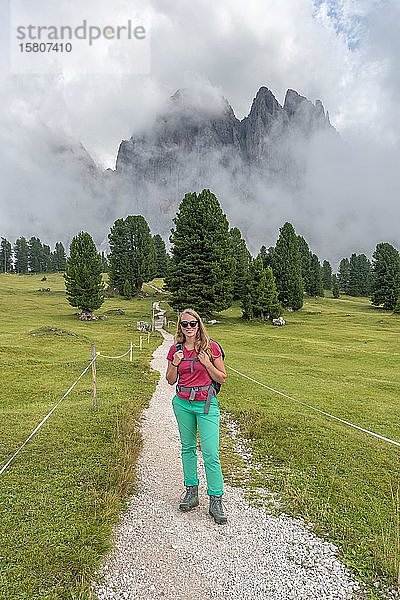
(204, 358)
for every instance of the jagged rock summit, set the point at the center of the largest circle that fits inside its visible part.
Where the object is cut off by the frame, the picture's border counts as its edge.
(205, 122)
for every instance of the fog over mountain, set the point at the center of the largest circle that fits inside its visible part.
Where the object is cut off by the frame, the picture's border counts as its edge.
(60, 132)
(279, 163)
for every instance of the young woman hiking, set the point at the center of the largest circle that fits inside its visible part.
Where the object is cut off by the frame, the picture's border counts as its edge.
(194, 362)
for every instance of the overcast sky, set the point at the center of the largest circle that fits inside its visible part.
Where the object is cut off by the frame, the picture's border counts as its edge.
(344, 52)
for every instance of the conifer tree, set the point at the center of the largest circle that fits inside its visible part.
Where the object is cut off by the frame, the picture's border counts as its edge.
(326, 275)
(287, 268)
(201, 267)
(5, 256)
(21, 255)
(305, 256)
(260, 298)
(47, 263)
(343, 275)
(132, 260)
(35, 256)
(59, 258)
(83, 277)
(335, 286)
(359, 276)
(161, 256)
(385, 284)
(315, 287)
(241, 259)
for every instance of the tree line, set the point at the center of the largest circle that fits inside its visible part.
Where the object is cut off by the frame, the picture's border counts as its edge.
(31, 256)
(210, 265)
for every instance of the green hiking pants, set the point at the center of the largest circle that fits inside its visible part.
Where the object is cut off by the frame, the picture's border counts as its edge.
(190, 417)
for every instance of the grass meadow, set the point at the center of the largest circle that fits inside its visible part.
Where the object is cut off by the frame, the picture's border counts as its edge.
(65, 490)
(61, 495)
(341, 356)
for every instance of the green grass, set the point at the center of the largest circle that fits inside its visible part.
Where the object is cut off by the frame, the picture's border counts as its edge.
(64, 491)
(340, 356)
(60, 497)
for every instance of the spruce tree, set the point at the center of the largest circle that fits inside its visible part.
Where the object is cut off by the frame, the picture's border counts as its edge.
(326, 275)
(21, 251)
(83, 276)
(287, 268)
(343, 275)
(241, 259)
(335, 286)
(260, 298)
(59, 258)
(132, 259)
(315, 287)
(5, 256)
(161, 256)
(305, 256)
(359, 276)
(35, 255)
(201, 267)
(47, 263)
(385, 284)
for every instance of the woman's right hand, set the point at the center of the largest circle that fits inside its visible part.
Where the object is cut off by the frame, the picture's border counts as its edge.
(176, 359)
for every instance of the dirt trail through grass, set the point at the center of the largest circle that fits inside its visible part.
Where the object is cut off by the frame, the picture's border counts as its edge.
(163, 553)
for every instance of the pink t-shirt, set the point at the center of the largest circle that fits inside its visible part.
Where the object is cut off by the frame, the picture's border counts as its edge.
(200, 375)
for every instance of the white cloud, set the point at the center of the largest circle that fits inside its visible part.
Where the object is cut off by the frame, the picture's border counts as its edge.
(344, 52)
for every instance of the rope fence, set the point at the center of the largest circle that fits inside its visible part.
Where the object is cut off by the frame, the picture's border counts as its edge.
(326, 414)
(92, 364)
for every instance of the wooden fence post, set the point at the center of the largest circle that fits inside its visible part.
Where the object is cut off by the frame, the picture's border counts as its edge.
(94, 377)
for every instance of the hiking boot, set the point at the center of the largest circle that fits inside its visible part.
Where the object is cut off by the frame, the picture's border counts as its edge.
(191, 498)
(216, 510)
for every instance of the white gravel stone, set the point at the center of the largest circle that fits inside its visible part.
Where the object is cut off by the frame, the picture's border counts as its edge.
(161, 552)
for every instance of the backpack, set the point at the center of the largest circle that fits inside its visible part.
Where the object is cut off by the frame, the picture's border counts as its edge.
(216, 384)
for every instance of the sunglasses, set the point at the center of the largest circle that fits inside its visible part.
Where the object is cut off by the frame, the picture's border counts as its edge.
(185, 324)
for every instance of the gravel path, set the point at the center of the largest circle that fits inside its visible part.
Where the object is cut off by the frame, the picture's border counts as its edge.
(161, 552)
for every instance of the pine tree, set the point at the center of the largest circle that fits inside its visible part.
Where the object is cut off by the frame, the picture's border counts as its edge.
(385, 284)
(241, 259)
(315, 287)
(46, 259)
(201, 267)
(21, 252)
(359, 276)
(343, 275)
(59, 258)
(287, 268)
(5, 256)
(161, 256)
(305, 256)
(260, 298)
(83, 277)
(35, 255)
(132, 260)
(326, 275)
(335, 286)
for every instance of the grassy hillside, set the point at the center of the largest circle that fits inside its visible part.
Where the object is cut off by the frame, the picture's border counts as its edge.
(340, 356)
(61, 495)
(63, 492)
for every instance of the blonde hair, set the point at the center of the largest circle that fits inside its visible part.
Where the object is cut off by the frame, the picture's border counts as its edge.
(202, 341)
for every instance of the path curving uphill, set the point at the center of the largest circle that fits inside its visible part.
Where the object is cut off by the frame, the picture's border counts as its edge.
(161, 552)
